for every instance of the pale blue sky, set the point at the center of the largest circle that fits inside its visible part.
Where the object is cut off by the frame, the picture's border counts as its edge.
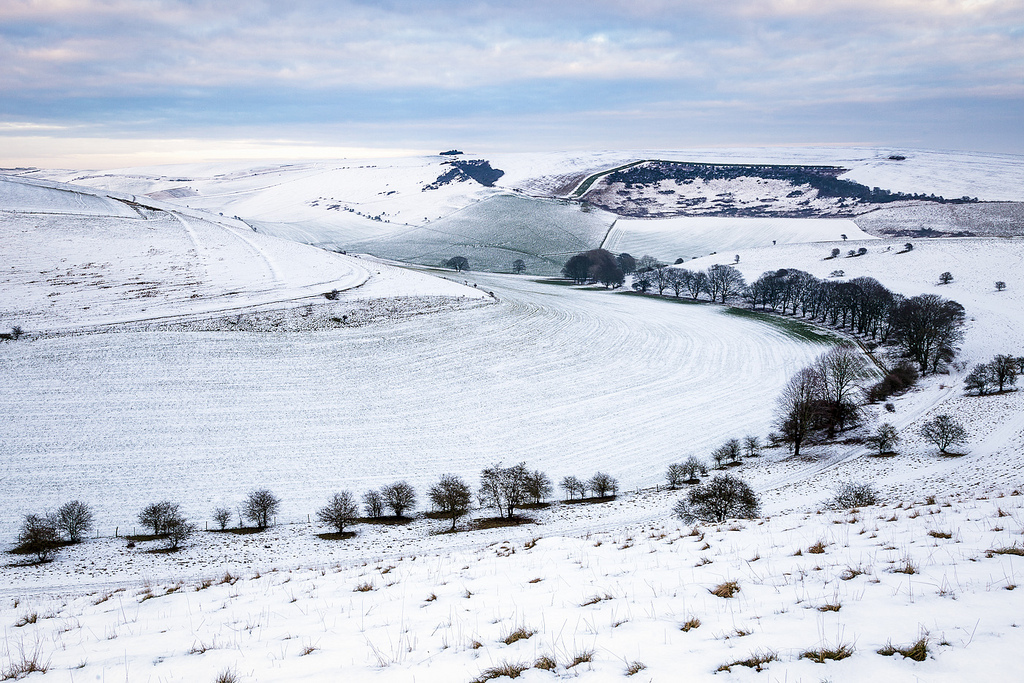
(99, 83)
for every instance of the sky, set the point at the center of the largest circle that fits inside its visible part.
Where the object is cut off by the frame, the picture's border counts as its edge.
(111, 83)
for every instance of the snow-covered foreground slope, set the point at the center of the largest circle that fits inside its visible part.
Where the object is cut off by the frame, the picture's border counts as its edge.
(570, 381)
(635, 603)
(73, 260)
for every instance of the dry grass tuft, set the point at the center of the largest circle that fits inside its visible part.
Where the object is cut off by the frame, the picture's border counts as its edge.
(594, 599)
(308, 650)
(635, 668)
(726, 589)
(1011, 550)
(820, 656)
(940, 534)
(755, 661)
(584, 657)
(908, 567)
(226, 676)
(27, 619)
(830, 607)
(692, 622)
(505, 669)
(851, 573)
(364, 587)
(545, 663)
(817, 549)
(917, 651)
(520, 633)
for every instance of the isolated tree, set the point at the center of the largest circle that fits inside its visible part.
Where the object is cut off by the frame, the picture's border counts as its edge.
(835, 252)
(38, 535)
(884, 439)
(399, 496)
(693, 468)
(1000, 285)
(797, 408)
(373, 504)
(457, 263)
(573, 487)
(260, 506)
(222, 516)
(74, 519)
(178, 530)
(603, 485)
(908, 247)
(675, 475)
(752, 445)
(340, 510)
(16, 332)
(723, 497)
(538, 486)
(981, 379)
(946, 278)
(943, 431)
(504, 488)
(451, 496)
(156, 516)
(1004, 369)
(519, 266)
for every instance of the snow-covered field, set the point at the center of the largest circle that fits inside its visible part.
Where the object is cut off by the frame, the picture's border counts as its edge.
(670, 238)
(261, 381)
(634, 603)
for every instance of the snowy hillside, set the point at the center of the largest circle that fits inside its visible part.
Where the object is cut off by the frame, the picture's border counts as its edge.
(75, 259)
(397, 208)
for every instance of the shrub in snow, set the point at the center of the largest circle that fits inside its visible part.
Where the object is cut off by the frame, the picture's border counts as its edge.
(1000, 285)
(852, 495)
(724, 497)
(603, 485)
(451, 496)
(340, 510)
(39, 536)
(943, 431)
(178, 531)
(222, 516)
(74, 519)
(946, 278)
(399, 496)
(157, 516)
(260, 506)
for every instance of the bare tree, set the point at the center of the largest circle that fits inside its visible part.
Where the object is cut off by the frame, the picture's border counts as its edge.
(373, 504)
(178, 530)
(840, 372)
(946, 278)
(399, 496)
(451, 496)
(980, 379)
(340, 510)
(752, 445)
(884, 439)
(694, 467)
(797, 406)
(573, 487)
(724, 282)
(675, 475)
(603, 485)
(538, 486)
(222, 516)
(74, 519)
(943, 431)
(1004, 369)
(39, 536)
(504, 488)
(260, 506)
(156, 516)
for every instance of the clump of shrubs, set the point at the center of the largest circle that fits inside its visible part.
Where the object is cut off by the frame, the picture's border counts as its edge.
(900, 378)
(853, 495)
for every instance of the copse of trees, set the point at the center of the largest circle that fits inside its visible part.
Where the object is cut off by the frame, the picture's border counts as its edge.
(995, 376)
(596, 265)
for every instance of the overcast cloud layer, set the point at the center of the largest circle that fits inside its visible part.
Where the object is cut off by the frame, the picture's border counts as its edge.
(81, 77)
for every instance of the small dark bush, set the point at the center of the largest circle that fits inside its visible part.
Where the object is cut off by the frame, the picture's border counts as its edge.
(331, 295)
(853, 495)
(721, 498)
(39, 536)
